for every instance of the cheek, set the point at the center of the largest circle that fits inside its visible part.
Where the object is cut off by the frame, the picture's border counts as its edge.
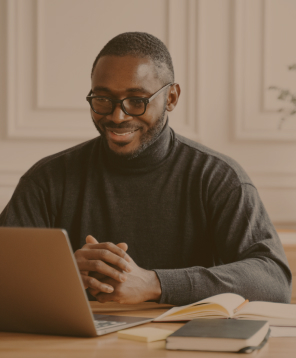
(92, 114)
(146, 121)
(96, 117)
(152, 117)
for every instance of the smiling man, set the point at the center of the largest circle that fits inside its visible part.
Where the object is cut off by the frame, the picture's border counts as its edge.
(151, 215)
(128, 128)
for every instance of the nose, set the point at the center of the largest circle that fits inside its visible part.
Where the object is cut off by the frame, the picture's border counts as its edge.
(118, 115)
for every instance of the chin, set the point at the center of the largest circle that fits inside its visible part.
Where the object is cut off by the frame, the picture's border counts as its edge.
(122, 150)
(132, 150)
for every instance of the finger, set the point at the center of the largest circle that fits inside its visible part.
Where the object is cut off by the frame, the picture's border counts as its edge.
(93, 292)
(102, 268)
(109, 246)
(105, 297)
(119, 249)
(97, 275)
(91, 240)
(92, 283)
(106, 256)
(123, 246)
(112, 248)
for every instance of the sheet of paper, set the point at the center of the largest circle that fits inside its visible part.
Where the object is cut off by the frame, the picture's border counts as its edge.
(282, 331)
(144, 334)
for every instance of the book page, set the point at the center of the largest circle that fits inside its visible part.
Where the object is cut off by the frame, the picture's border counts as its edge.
(268, 309)
(229, 301)
(283, 331)
(202, 311)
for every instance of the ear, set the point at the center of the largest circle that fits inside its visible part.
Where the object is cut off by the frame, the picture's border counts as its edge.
(173, 97)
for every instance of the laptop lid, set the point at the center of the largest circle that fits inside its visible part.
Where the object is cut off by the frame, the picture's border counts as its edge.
(41, 288)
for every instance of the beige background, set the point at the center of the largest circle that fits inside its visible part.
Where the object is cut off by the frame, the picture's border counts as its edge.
(226, 53)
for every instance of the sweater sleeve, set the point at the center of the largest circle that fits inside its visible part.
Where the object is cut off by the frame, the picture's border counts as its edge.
(249, 257)
(28, 207)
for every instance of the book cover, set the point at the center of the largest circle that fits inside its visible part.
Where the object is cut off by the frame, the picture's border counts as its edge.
(219, 335)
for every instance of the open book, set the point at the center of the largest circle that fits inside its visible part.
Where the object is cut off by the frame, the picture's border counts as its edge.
(227, 305)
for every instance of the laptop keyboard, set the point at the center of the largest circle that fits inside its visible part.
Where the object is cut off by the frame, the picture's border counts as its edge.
(106, 324)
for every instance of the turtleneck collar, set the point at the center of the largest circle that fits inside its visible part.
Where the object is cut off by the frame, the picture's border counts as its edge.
(151, 156)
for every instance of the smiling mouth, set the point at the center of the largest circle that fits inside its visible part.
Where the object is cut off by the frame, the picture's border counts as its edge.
(122, 134)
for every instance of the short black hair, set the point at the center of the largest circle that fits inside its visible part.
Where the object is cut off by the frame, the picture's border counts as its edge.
(141, 45)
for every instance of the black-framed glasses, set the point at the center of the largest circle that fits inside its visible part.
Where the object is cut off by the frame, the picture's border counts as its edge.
(133, 106)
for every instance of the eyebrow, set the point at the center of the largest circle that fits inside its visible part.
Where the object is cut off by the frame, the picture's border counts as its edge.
(131, 90)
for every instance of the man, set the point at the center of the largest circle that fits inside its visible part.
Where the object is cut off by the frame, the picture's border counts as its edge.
(151, 215)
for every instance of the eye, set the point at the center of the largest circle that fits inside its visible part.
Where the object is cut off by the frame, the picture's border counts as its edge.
(101, 100)
(135, 102)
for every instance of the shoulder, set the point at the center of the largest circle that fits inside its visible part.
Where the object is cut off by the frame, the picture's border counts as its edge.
(64, 160)
(214, 164)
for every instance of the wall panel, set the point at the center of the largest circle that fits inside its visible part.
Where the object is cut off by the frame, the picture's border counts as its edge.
(226, 54)
(52, 45)
(264, 33)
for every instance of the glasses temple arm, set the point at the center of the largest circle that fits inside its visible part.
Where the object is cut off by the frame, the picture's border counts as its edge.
(160, 90)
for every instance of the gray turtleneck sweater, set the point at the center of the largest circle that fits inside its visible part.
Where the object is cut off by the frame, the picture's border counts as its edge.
(187, 212)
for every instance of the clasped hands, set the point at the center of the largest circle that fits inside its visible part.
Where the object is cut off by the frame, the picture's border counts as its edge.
(111, 274)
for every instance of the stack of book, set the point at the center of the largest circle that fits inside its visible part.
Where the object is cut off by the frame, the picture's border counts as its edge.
(245, 326)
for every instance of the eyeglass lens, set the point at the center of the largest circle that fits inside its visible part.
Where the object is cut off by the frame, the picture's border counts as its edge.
(133, 106)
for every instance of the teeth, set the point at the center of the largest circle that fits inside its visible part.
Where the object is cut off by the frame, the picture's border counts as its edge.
(122, 133)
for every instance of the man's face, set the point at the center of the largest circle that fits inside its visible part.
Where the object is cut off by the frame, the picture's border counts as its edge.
(121, 77)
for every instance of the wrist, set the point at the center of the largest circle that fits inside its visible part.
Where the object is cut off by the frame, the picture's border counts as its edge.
(154, 287)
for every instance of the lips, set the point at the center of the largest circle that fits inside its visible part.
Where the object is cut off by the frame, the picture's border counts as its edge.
(122, 135)
(120, 131)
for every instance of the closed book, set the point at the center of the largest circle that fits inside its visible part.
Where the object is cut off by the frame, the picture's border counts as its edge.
(222, 335)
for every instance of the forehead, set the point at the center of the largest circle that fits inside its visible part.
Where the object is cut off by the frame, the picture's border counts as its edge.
(119, 73)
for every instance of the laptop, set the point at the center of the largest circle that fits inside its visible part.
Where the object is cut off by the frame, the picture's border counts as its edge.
(41, 290)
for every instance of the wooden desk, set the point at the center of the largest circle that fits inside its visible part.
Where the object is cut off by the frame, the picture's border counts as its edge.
(16, 345)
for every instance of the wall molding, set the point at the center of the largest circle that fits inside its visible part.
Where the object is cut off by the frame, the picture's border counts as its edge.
(274, 180)
(8, 181)
(29, 114)
(40, 100)
(188, 121)
(10, 178)
(251, 120)
(24, 118)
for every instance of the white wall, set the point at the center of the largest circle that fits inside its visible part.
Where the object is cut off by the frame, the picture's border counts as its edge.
(226, 53)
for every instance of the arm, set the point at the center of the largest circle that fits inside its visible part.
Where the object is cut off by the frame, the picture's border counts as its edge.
(28, 207)
(249, 257)
(31, 207)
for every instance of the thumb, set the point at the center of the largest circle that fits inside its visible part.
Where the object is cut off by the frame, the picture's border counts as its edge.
(91, 240)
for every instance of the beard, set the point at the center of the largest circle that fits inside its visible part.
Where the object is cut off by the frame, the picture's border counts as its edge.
(147, 138)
